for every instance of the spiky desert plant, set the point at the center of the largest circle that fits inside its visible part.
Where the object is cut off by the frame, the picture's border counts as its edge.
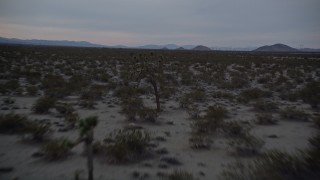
(87, 126)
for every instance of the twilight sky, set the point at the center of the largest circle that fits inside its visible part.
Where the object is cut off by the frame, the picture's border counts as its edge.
(237, 23)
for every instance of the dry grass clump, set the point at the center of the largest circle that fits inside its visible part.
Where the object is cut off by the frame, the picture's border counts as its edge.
(278, 165)
(20, 124)
(127, 145)
(134, 110)
(57, 149)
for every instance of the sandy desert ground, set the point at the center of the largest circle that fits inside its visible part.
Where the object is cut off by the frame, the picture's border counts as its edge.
(216, 108)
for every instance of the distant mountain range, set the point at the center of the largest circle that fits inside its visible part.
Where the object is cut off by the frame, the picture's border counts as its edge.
(271, 48)
(48, 42)
(276, 48)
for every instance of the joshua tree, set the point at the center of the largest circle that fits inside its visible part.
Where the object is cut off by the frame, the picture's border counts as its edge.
(151, 70)
(86, 135)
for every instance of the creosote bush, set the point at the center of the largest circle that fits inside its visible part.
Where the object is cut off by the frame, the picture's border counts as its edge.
(43, 104)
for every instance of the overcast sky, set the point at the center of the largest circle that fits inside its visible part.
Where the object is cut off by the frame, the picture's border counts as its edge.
(237, 23)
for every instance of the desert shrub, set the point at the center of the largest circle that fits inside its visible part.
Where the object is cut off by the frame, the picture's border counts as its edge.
(63, 108)
(245, 144)
(222, 94)
(216, 112)
(77, 83)
(38, 131)
(193, 111)
(196, 95)
(57, 149)
(291, 113)
(265, 106)
(124, 92)
(13, 123)
(148, 115)
(275, 165)
(234, 83)
(200, 141)
(264, 79)
(72, 118)
(95, 92)
(127, 145)
(316, 121)
(11, 85)
(32, 90)
(253, 94)
(186, 78)
(211, 122)
(167, 92)
(89, 104)
(235, 129)
(265, 119)
(17, 123)
(8, 100)
(311, 94)
(43, 104)
(55, 86)
(131, 107)
(185, 101)
(179, 175)
(289, 96)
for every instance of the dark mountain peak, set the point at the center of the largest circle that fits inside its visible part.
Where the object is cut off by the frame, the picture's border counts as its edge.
(276, 48)
(180, 48)
(201, 48)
